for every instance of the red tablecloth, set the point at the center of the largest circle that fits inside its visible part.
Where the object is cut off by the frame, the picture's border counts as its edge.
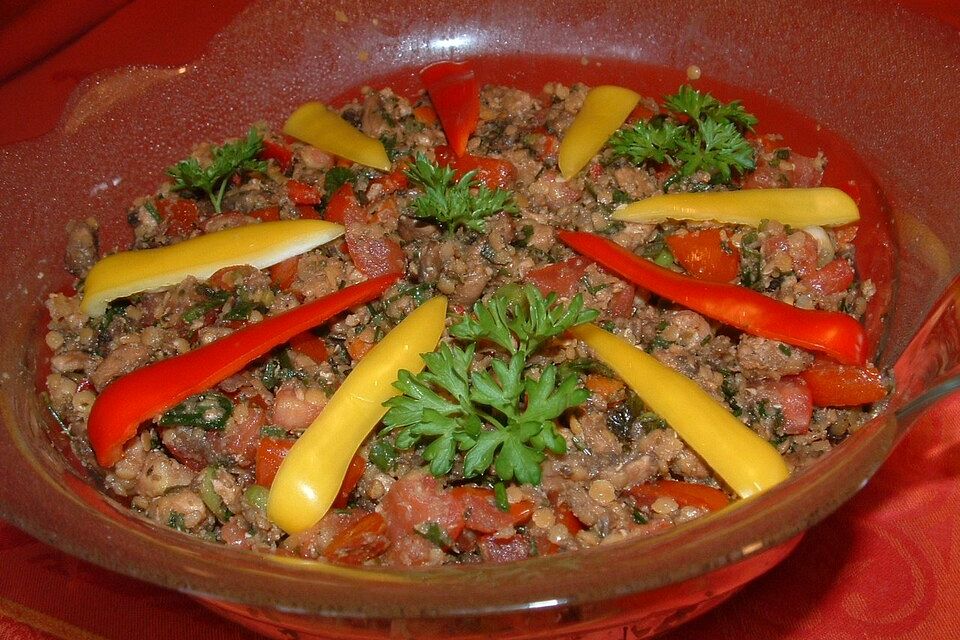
(883, 567)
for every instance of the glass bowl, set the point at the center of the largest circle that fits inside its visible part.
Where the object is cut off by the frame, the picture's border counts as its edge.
(879, 76)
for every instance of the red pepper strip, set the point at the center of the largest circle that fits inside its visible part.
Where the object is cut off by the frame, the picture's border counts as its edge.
(455, 94)
(151, 390)
(834, 385)
(836, 334)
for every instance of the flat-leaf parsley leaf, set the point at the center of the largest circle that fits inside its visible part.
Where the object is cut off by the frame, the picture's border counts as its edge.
(226, 161)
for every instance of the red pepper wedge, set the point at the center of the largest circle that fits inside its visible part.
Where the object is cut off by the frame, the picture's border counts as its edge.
(686, 494)
(706, 255)
(151, 390)
(836, 385)
(836, 334)
(455, 94)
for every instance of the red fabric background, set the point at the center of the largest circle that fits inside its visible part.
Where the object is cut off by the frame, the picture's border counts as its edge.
(885, 566)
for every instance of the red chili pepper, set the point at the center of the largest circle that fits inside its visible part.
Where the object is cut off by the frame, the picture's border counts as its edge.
(455, 94)
(151, 390)
(836, 334)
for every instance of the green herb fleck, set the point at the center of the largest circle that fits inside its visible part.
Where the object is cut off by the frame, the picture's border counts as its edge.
(226, 161)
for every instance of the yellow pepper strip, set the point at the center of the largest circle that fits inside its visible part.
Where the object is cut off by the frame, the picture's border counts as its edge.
(798, 207)
(258, 245)
(315, 124)
(746, 462)
(310, 476)
(604, 109)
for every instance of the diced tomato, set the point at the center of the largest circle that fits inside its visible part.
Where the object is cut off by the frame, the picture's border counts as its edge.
(541, 545)
(310, 345)
(561, 278)
(226, 279)
(482, 514)
(354, 472)
(498, 550)
(364, 540)
(270, 453)
(564, 515)
(417, 499)
(838, 385)
(341, 201)
(277, 152)
(360, 344)
(793, 397)
(303, 193)
(240, 439)
(494, 173)
(706, 255)
(393, 182)
(375, 255)
(686, 494)
(836, 276)
(548, 147)
(621, 303)
(602, 385)
(846, 233)
(800, 246)
(307, 212)
(267, 214)
(180, 216)
(284, 273)
(426, 115)
(596, 170)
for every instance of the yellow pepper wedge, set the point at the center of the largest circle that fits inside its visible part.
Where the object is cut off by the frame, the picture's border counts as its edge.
(604, 109)
(746, 462)
(259, 245)
(797, 207)
(310, 476)
(315, 124)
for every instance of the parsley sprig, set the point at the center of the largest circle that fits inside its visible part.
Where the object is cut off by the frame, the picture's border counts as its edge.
(700, 134)
(499, 414)
(226, 161)
(455, 203)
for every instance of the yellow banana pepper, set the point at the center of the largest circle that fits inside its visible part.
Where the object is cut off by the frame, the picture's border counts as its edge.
(746, 462)
(315, 124)
(798, 207)
(259, 245)
(604, 109)
(310, 476)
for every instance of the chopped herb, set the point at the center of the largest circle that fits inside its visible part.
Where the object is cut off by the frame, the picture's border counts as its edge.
(620, 197)
(208, 411)
(152, 210)
(383, 454)
(785, 350)
(455, 203)
(500, 496)
(226, 161)
(337, 177)
(432, 532)
(639, 517)
(241, 309)
(273, 432)
(175, 521)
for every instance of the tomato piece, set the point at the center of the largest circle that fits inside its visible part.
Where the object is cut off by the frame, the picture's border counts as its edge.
(340, 203)
(181, 216)
(393, 182)
(307, 212)
(847, 233)
(801, 247)
(364, 540)
(482, 514)
(226, 279)
(416, 500)
(706, 255)
(267, 214)
(793, 397)
(565, 516)
(494, 173)
(270, 453)
(284, 273)
(354, 472)
(836, 276)
(560, 278)
(838, 385)
(621, 303)
(373, 254)
(282, 155)
(303, 193)
(499, 550)
(359, 346)
(686, 494)
(310, 345)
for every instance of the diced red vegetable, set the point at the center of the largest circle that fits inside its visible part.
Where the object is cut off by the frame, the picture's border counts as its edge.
(277, 152)
(267, 214)
(835, 277)
(284, 273)
(342, 200)
(310, 345)
(303, 193)
(706, 254)
(561, 278)
(494, 173)
(621, 303)
(564, 515)
(686, 494)
(793, 397)
(364, 540)
(270, 453)
(354, 472)
(837, 385)
(181, 216)
(417, 500)
(483, 515)
(499, 550)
